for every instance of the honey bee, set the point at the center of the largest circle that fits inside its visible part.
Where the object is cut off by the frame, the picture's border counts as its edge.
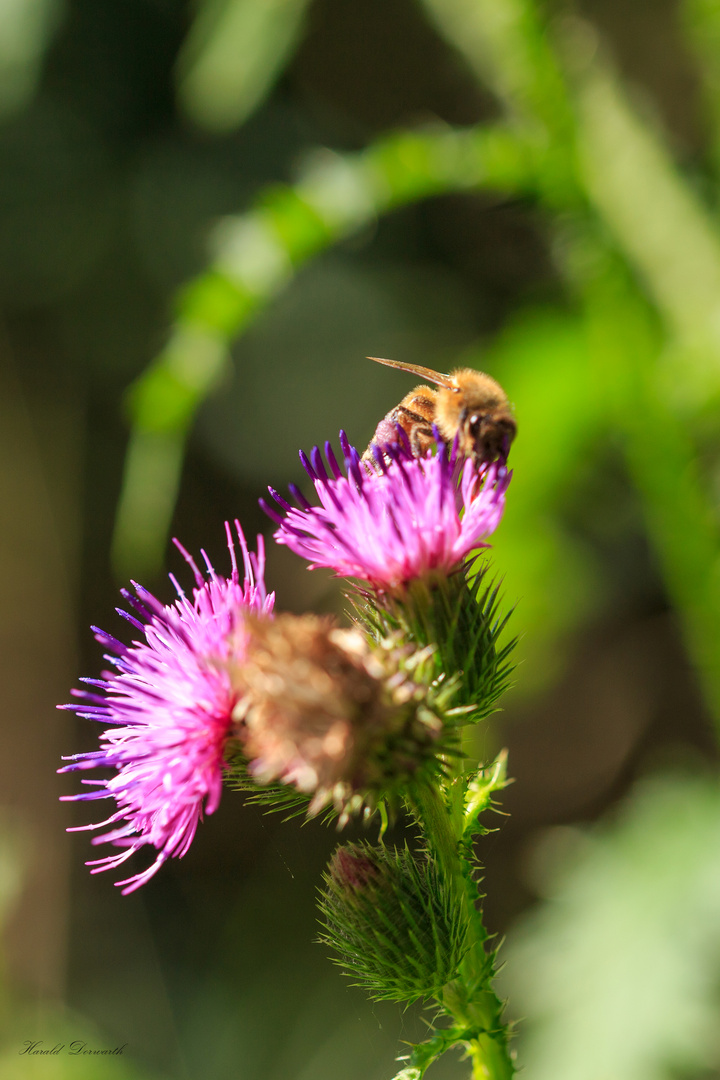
(468, 404)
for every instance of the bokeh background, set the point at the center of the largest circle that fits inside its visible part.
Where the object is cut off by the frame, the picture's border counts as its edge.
(210, 214)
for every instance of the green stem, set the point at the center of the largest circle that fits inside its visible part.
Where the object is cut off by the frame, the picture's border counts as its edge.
(469, 999)
(443, 839)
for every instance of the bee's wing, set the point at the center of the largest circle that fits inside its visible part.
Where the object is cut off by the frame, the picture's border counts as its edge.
(415, 369)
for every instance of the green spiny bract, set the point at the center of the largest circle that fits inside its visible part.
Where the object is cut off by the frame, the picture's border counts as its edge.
(460, 617)
(393, 920)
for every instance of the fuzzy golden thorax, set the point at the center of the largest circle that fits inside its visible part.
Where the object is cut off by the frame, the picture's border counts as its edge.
(476, 409)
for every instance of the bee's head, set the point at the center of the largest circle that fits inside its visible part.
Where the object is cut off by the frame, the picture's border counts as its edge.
(487, 436)
(475, 407)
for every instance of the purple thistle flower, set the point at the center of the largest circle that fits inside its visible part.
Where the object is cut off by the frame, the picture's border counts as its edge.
(411, 518)
(169, 705)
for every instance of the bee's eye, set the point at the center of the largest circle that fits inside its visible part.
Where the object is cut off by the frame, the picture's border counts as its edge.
(474, 424)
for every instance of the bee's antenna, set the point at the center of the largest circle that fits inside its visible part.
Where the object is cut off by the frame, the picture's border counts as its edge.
(414, 369)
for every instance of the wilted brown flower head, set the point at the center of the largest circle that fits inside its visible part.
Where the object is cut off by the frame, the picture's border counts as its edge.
(322, 710)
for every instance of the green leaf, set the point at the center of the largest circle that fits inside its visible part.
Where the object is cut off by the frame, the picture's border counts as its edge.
(701, 20)
(26, 30)
(660, 224)
(506, 45)
(232, 55)
(479, 793)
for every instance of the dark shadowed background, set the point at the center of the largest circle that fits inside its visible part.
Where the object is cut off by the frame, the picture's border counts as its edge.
(120, 151)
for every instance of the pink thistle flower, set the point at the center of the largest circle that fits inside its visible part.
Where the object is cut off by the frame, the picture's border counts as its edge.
(411, 518)
(169, 704)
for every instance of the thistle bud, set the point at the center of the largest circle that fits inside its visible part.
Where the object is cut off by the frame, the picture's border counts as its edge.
(393, 922)
(322, 710)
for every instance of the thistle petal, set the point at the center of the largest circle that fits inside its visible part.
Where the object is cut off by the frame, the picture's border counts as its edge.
(169, 710)
(408, 519)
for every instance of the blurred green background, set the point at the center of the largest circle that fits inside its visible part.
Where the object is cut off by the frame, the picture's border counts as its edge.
(210, 214)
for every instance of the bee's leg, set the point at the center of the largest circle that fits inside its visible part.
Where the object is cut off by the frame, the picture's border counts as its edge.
(416, 427)
(421, 440)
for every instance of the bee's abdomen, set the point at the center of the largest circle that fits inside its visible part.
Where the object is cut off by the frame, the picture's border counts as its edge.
(414, 415)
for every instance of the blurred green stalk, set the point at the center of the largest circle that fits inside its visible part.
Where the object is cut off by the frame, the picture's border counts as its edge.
(255, 254)
(575, 143)
(645, 208)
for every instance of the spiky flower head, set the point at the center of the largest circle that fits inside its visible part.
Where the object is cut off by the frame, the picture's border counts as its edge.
(348, 723)
(393, 920)
(406, 519)
(168, 706)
